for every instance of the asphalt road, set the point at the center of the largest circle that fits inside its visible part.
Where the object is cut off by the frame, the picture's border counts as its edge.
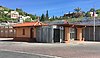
(16, 54)
(7, 54)
(34, 50)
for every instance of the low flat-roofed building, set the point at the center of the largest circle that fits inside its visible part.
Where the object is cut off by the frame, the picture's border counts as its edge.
(26, 31)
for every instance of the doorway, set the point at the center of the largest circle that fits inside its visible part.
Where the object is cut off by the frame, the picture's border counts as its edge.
(73, 33)
(56, 35)
(31, 34)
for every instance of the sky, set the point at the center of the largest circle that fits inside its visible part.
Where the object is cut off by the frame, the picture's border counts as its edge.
(54, 7)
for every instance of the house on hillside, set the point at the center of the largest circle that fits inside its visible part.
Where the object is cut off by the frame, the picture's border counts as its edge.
(6, 12)
(22, 19)
(14, 14)
(93, 14)
(69, 15)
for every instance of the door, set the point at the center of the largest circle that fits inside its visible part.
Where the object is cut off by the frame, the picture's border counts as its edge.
(32, 34)
(56, 35)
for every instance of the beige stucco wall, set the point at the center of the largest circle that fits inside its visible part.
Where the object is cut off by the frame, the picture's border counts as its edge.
(19, 32)
(27, 37)
(67, 33)
(79, 34)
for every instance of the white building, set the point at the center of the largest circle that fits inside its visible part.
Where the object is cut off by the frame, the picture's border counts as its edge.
(5, 12)
(23, 18)
(14, 14)
(95, 15)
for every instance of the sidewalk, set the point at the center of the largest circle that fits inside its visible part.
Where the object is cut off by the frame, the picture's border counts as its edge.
(6, 38)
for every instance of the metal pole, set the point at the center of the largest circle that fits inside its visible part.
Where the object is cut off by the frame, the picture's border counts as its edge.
(94, 25)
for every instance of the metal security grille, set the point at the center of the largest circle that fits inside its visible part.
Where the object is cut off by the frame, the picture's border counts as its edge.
(48, 34)
(56, 35)
(44, 34)
(88, 34)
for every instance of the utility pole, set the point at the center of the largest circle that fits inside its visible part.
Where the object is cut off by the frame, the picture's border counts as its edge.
(94, 22)
(94, 26)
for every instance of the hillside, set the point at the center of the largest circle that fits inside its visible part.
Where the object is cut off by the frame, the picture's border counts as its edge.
(5, 9)
(5, 13)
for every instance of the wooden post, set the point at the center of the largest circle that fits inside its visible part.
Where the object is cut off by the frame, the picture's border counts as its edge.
(67, 34)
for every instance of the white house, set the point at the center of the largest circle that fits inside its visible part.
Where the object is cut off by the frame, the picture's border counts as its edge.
(14, 14)
(5, 12)
(23, 18)
(95, 15)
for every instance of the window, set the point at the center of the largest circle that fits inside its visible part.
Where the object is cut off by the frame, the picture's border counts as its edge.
(23, 31)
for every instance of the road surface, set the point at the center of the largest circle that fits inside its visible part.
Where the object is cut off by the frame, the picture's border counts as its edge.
(12, 49)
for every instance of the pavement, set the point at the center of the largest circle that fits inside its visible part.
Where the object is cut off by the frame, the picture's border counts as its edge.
(12, 49)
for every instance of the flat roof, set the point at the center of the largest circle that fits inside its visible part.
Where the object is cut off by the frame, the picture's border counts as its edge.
(71, 25)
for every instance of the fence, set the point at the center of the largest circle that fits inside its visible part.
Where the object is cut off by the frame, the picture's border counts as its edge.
(6, 32)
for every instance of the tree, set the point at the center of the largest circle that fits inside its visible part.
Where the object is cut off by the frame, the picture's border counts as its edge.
(78, 13)
(98, 11)
(53, 17)
(88, 14)
(42, 17)
(17, 9)
(28, 20)
(10, 10)
(20, 11)
(77, 9)
(32, 16)
(1, 13)
(56, 18)
(47, 17)
(92, 10)
(6, 9)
